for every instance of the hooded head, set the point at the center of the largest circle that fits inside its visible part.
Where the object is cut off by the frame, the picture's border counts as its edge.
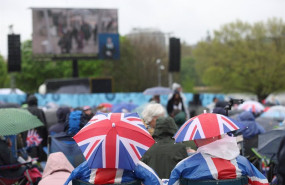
(165, 127)
(246, 116)
(61, 114)
(32, 100)
(175, 86)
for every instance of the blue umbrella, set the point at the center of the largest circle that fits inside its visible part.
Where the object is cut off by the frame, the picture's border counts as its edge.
(157, 91)
(123, 107)
(276, 112)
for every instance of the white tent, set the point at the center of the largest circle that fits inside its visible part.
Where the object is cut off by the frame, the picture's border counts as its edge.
(11, 91)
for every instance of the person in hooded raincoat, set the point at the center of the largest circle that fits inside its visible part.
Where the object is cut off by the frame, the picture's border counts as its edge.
(57, 170)
(216, 158)
(61, 114)
(165, 153)
(252, 128)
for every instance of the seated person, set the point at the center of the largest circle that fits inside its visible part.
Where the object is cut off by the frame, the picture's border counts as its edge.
(112, 175)
(216, 158)
(61, 115)
(57, 169)
(164, 154)
(6, 158)
(150, 113)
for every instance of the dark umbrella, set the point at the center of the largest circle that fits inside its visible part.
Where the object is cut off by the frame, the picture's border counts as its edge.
(267, 123)
(268, 143)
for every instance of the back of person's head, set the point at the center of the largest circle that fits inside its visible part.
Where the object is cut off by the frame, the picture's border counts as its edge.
(222, 104)
(219, 110)
(246, 116)
(152, 110)
(62, 113)
(32, 100)
(165, 126)
(180, 118)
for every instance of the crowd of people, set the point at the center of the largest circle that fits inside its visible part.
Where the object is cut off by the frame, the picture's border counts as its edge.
(165, 162)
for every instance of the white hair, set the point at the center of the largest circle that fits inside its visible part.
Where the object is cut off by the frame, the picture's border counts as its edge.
(152, 110)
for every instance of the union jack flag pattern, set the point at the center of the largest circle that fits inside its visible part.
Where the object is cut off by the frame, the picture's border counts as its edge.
(142, 172)
(205, 126)
(114, 140)
(201, 166)
(33, 138)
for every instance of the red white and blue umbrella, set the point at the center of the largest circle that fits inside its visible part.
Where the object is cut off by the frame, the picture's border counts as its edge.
(114, 140)
(252, 106)
(206, 125)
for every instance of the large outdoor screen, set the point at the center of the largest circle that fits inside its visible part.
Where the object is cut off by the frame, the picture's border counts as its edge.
(58, 31)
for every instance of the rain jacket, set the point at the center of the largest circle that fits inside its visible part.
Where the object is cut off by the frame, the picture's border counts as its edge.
(37, 152)
(252, 128)
(164, 154)
(57, 170)
(217, 160)
(110, 176)
(61, 114)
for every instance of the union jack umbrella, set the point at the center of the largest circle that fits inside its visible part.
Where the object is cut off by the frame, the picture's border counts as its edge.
(206, 125)
(114, 140)
(252, 106)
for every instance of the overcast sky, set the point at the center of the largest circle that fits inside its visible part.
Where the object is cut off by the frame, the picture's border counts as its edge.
(187, 19)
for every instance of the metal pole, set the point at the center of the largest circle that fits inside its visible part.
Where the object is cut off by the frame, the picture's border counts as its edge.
(170, 79)
(74, 68)
(158, 72)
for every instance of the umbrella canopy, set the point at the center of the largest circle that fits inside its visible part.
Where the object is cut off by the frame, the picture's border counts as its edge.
(114, 140)
(157, 91)
(123, 107)
(205, 126)
(267, 123)
(268, 143)
(14, 121)
(252, 106)
(277, 112)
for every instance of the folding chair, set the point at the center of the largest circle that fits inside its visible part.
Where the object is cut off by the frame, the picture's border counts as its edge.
(239, 181)
(80, 182)
(7, 179)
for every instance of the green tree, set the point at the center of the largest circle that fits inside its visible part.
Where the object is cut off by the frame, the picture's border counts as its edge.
(244, 57)
(4, 77)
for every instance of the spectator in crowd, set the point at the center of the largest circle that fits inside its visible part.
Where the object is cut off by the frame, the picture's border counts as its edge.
(57, 170)
(150, 114)
(216, 158)
(61, 114)
(165, 153)
(175, 103)
(37, 151)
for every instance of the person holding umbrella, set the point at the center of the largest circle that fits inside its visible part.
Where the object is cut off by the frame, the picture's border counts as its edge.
(217, 156)
(113, 145)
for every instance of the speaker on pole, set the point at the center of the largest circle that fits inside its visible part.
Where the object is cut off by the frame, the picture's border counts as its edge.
(14, 53)
(174, 55)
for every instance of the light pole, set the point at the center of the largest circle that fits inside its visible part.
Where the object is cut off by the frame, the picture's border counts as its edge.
(160, 67)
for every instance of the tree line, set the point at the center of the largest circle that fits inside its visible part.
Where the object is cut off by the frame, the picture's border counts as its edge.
(239, 57)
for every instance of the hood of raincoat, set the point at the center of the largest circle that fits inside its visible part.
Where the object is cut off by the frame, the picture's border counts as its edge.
(32, 100)
(165, 127)
(56, 163)
(61, 114)
(225, 148)
(252, 128)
